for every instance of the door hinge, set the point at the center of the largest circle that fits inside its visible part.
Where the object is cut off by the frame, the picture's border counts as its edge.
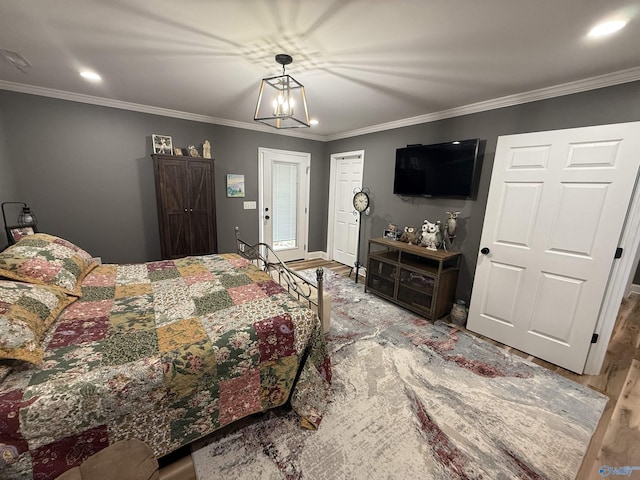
(618, 253)
(594, 338)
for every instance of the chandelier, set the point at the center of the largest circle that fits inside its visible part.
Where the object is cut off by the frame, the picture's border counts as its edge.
(282, 102)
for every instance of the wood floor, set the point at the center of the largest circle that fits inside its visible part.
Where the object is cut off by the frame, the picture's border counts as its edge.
(616, 442)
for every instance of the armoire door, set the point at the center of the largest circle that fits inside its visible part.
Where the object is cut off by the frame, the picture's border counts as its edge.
(175, 238)
(200, 201)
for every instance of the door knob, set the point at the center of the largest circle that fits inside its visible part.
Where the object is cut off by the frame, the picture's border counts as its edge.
(485, 251)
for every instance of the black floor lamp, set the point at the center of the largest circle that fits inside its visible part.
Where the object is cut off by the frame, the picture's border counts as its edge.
(25, 225)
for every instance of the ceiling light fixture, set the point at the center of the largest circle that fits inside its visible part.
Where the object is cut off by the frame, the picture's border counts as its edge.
(607, 28)
(282, 102)
(88, 75)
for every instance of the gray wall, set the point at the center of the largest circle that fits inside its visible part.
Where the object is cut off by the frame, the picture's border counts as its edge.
(86, 172)
(8, 192)
(608, 105)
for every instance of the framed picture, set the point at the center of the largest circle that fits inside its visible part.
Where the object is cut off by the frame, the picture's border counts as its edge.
(16, 233)
(392, 234)
(235, 185)
(162, 144)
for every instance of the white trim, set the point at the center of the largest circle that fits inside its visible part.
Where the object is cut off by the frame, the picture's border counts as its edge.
(622, 270)
(633, 290)
(591, 83)
(164, 112)
(332, 195)
(317, 255)
(305, 163)
(609, 79)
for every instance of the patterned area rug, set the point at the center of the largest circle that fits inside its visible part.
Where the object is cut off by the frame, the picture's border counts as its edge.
(412, 399)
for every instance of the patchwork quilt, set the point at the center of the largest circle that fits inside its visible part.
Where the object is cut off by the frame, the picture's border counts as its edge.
(165, 352)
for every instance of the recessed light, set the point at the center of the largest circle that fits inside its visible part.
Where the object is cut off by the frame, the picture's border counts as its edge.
(89, 75)
(607, 28)
(313, 122)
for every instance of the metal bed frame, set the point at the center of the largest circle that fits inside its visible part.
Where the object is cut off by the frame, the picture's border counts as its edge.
(263, 256)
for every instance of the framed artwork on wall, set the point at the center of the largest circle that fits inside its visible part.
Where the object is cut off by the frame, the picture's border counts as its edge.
(162, 144)
(235, 185)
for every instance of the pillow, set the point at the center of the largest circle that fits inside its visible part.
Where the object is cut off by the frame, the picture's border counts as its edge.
(26, 313)
(47, 260)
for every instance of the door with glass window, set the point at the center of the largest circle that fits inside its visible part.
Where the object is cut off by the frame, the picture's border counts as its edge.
(283, 201)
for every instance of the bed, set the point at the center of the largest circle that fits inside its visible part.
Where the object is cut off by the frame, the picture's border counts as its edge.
(165, 352)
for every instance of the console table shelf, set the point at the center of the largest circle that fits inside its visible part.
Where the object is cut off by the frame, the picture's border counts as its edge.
(423, 281)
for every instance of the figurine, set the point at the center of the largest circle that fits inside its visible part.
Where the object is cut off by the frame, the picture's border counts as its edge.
(430, 236)
(206, 149)
(450, 226)
(193, 151)
(409, 235)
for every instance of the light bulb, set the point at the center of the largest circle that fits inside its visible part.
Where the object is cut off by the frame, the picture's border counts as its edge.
(607, 28)
(89, 75)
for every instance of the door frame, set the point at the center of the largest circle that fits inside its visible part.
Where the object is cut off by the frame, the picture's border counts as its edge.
(621, 271)
(306, 185)
(332, 195)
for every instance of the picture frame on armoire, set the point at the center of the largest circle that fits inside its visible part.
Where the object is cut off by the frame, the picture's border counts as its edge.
(162, 144)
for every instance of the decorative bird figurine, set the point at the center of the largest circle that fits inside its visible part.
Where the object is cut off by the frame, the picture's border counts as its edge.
(451, 225)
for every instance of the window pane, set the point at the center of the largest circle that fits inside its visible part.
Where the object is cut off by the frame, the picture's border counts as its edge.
(285, 205)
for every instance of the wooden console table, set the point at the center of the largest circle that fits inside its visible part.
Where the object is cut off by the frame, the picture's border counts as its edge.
(423, 281)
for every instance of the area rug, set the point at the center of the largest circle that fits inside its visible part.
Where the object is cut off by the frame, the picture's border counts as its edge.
(414, 399)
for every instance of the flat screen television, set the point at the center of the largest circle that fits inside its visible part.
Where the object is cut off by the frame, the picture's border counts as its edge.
(439, 170)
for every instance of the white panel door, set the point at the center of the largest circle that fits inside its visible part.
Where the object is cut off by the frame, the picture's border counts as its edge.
(284, 192)
(346, 229)
(555, 212)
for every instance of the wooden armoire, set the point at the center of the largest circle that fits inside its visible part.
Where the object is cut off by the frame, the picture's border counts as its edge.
(185, 194)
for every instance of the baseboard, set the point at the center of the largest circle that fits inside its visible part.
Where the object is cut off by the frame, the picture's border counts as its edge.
(317, 255)
(634, 289)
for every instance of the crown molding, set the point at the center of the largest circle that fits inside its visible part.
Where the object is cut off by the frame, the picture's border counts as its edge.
(592, 83)
(138, 107)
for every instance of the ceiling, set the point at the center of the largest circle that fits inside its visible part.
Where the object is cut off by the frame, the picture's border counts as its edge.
(366, 65)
